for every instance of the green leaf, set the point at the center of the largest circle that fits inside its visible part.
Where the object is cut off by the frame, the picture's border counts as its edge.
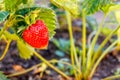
(11, 5)
(10, 36)
(62, 44)
(1, 5)
(92, 6)
(25, 1)
(34, 13)
(3, 15)
(70, 5)
(92, 22)
(49, 17)
(61, 66)
(3, 77)
(56, 42)
(59, 53)
(25, 50)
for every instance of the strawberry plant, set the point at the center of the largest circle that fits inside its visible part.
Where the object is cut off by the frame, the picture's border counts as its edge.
(32, 27)
(89, 59)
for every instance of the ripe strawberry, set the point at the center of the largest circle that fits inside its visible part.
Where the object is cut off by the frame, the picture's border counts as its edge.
(36, 35)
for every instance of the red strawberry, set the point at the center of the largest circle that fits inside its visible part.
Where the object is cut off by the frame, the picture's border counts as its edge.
(36, 35)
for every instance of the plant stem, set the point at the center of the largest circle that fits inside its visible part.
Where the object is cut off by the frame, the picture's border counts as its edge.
(71, 41)
(112, 77)
(74, 58)
(50, 65)
(84, 41)
(101, 57)
(98, 52)
(35, 66)
(24, 71)
(3, 29)
(91, 49)
(71, 37)
(7, 24)
(6, 49)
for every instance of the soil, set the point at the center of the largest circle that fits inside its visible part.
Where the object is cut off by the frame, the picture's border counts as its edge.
(107, 67)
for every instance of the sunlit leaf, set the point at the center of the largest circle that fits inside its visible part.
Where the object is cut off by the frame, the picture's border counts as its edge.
(3, 15)
(10, 36)
(25, 50)
(114, 7)
(11, 5)
(71, 5)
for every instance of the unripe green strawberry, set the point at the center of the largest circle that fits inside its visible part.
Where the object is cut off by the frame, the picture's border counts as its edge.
(36, 35)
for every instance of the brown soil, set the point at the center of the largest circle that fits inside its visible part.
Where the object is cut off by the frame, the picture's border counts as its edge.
(107, 67)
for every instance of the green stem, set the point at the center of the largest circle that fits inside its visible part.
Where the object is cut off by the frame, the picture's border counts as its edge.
(98, 52)
(50, 65)
(6, 49)
(71, 37)
(74, 58)
(84, 41)
(35, 66)
(91, 49)
(24, 71)
(101, 57)
(112, 77)
(7, 24)
(71, 41)
(3, 29)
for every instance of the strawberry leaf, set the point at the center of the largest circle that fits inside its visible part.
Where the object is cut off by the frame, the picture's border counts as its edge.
(66, 4)
(3, 15)
(10, 36)
(92, 6)
(48, 16)
(25, 50)
(11, 5)
(35, 13)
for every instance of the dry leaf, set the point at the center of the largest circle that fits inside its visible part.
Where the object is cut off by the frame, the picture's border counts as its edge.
(18, 68)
